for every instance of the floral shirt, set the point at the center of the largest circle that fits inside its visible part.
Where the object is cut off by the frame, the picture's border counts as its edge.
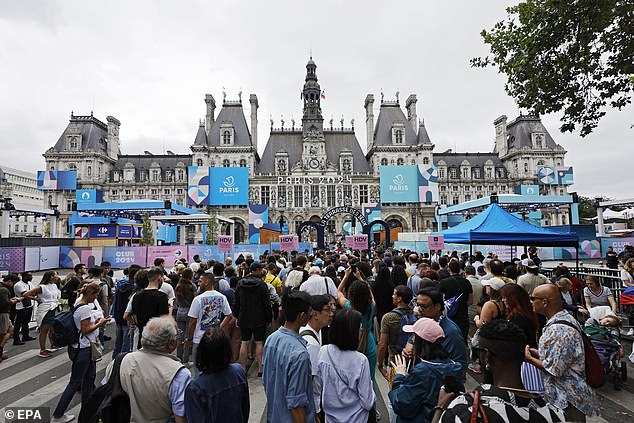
(561, 349)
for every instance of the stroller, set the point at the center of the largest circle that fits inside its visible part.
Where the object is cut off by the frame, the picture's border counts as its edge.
(606, 341)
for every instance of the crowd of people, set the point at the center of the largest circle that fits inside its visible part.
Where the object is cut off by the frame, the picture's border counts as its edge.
(318, 327)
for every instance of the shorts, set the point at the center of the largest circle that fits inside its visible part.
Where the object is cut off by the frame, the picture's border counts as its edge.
(258, 334)
(49, 318)
(5, 323)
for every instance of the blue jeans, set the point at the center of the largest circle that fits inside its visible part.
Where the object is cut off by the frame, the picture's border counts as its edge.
(194, 370)
(82, 374)
(121, 340)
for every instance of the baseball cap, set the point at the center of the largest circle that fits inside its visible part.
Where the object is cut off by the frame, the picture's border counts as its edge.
(256, 265)
(495, 283)
(529, 263)
(319, 262)
(341, 269)
(426, 328)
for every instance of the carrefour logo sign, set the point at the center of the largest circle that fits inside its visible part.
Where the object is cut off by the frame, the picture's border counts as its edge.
(399, 184)
(229, 186)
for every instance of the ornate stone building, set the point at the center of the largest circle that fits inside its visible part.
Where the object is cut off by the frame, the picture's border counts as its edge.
(307, 167)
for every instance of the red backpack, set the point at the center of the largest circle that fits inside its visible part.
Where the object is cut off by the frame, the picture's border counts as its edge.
(595, 373)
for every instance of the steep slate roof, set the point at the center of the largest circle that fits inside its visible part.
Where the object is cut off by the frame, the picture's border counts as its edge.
(231, 112)
(94, 134)
(474, 159)
(388, 115)
(201, 135)
(291, 143)
(144, 161)
(423, 136)
(519, 132)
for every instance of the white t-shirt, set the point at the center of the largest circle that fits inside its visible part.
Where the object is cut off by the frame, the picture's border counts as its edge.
(20, 288)
(209, 308)
(626, 276)
(316, 285)
(169, 291)
(313, 346)
(82, 313)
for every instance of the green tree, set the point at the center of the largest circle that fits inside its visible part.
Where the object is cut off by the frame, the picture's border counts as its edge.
(212, 230)
(587, 209)
(573, 56)
(147, 233)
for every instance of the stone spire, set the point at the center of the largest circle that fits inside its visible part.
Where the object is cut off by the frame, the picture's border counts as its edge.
(312, 119)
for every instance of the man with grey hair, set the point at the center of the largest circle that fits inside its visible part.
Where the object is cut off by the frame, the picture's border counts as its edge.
(317, 284)
(154, 378)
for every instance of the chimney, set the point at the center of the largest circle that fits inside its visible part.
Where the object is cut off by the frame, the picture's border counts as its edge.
(369, 119)
(253, 100)
(113, 137)
(410, 105)
(501, 146)
(211, 109)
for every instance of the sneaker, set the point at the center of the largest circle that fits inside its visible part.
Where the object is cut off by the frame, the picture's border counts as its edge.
(54, 349)
(65, 418)
(18, 342)
(45, 354)
(475, 368)
(630, 332)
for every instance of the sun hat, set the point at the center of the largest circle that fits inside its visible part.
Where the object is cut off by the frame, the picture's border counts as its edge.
(426, 328)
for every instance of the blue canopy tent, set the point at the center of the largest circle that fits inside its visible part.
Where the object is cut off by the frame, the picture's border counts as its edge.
(496, 226)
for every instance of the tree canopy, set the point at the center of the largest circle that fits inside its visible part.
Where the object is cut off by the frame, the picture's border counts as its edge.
(575, 57)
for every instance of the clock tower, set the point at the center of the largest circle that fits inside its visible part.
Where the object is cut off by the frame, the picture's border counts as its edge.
(313, 141)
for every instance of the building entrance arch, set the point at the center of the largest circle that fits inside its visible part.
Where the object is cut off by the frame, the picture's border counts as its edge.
(320, 232)
(367, 229)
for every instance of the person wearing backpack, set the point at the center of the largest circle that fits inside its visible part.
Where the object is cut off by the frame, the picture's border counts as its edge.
(455, 286)
(392, 339)
(123, 290)
(83, 370)
(562, 357)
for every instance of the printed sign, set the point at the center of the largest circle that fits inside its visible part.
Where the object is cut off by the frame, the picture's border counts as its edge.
(167, 252)
(81, 231)
(49, 258)
(197, 186)
(52, 180)
(103, 231)
(225, 243)
(527, 189)
(436, 242)
(12, 259)
(289, 242)
(229, 186)
(399, 184)
(121, 257)
(357, 242)
(125, 231)
(88, 196)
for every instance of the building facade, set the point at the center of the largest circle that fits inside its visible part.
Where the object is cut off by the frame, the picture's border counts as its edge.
(306, 167)
(21, 188)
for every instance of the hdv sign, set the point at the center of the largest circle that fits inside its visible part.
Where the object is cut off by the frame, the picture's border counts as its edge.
(289, 242)
(357, 242)
(225, 243)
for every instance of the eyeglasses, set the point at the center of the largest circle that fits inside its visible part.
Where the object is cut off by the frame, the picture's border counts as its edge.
(425, 306)
(537, 298)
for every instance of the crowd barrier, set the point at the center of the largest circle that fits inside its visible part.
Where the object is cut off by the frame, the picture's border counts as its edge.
(32, 259)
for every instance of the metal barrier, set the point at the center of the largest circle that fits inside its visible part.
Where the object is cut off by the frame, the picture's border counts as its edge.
(610, 278)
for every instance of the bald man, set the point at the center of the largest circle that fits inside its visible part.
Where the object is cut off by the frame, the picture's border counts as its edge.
(561, 357)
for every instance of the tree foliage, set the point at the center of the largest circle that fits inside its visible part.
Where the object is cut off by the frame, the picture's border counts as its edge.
(587, 209)
(147, 234)
(212, 231)
(573, 56)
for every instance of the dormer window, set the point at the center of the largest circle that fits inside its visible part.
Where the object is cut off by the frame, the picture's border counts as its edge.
(453, 173)
(539, 140)
(398, 133)
(399, 162)
(199, 162)
(73, 142)
(226, 134)
(168, 176)
(243, 163)
(156, 175)
(180, 174)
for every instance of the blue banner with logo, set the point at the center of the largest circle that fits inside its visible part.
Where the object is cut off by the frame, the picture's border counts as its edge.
(399, 184)
(88, 196)
(125, 231)
(229, 186)
(103, 231)
(527, 189)
(55, 180)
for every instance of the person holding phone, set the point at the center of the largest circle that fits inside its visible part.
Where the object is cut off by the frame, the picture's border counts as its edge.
(417, 382)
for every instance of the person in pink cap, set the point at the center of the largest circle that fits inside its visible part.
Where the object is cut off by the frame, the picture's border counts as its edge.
(414, 393)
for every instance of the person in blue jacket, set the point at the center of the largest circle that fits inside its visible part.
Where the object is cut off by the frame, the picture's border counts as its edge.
(414, 395)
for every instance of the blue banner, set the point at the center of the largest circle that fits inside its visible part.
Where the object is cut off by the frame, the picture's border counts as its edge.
(399, 184)
(103, 231)
(125, 231)
(88, 196)
(54, 180)
(229, 186)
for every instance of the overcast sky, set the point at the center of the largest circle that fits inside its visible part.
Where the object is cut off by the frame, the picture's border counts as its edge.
(150, 64)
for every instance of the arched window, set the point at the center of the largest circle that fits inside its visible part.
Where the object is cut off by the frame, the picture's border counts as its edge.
(199, 162)
(89, 171)
(226, 137)
(425, 160)
(399, 162)
(384, 162)
(243, 163)
(74, 143)
(226, 163)
(72, 166)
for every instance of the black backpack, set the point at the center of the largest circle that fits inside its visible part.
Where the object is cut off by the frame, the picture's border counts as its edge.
(65, 331)
(403, 337)
(122, 294)
(108, 403)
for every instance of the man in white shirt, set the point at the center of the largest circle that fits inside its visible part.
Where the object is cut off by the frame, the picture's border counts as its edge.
(23, 310)
(321, 316)
(317, 284)
(208, 310)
